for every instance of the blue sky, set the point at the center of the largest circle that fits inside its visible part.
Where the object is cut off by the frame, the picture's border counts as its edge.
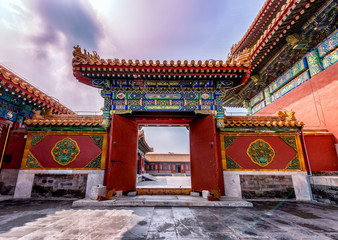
(37, 36)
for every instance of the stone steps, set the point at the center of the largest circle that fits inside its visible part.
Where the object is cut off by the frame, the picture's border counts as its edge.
(163, 191)
(161, 201)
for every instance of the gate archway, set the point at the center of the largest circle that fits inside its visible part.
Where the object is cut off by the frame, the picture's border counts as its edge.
(162, 92)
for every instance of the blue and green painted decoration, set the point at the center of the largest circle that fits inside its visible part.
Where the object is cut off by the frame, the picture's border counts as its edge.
(230, 164)
(32, 162)
(291, 141)
(13, 108)
(318, 59)
(179, 97)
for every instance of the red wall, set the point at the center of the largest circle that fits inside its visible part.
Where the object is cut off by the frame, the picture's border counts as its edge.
(321, 152)
(42, 151)
(315, 102)
(15, 147)
(88, 151)
(237, 151)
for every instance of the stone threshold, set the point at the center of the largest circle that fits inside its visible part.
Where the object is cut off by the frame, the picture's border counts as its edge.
(161, 201)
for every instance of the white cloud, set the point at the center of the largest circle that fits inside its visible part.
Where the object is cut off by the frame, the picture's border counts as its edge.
(167, 139)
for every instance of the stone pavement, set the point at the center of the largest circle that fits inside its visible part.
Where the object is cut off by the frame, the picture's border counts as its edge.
(29, 219)
(167, 182)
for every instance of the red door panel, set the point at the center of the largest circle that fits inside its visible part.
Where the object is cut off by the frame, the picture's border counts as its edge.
(122, 154)
(4, 131)
(206, 171)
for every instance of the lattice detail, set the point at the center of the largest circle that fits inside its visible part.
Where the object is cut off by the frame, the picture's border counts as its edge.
(208, 102)
(231, 164)
(98, 140)
(119, 102)
(133, 102)
(162, 102)
(32, 162)
(65, 151)
(261, 153)
(294, 163)
(36, 139)
(192, 102)
(148, 102)
(95, 163)
(291, 141)
(178, 102)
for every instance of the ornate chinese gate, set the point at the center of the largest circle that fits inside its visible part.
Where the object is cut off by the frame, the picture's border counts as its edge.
(166, 92)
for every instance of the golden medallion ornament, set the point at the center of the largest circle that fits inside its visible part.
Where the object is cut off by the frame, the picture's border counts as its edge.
(65, 151)
(260, 153)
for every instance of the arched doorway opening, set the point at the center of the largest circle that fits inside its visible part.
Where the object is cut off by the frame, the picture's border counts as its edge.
(206, 170)
(167, 165)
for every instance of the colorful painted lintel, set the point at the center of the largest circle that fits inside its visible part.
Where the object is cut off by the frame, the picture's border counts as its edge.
(295, 83)
(330, 59)
(314, 62)
(329, 44)
(256, 99)
(296, 69)
(258, 107)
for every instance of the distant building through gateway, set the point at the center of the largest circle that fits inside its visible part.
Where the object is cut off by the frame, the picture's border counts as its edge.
(167, 164)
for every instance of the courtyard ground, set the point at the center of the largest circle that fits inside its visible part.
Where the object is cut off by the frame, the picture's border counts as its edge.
(167, 182)
(37, 219)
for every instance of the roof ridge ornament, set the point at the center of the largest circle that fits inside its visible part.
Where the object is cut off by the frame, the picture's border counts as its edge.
(287, 116)
(85, 56)
(80, 57)
(241, 58)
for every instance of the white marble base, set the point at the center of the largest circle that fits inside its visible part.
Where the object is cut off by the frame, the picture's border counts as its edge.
(25, 180)
(93, 179)
(24, 184)
(205, 194)
(232, 184)
(96, 191)
(324, 180)
(301, 186)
